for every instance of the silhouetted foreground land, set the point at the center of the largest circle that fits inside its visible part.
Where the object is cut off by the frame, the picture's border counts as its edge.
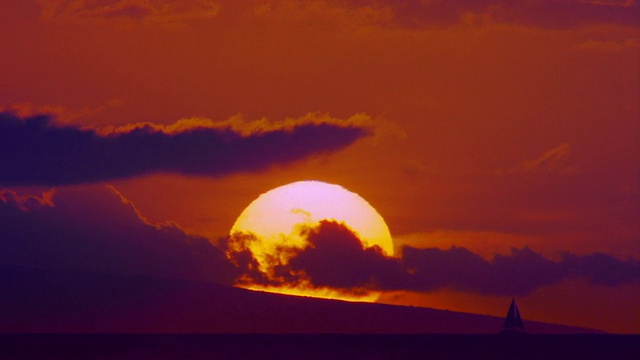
(45, 301)
(262, 346)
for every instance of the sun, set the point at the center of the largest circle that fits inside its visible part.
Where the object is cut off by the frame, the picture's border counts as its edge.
(277, 216)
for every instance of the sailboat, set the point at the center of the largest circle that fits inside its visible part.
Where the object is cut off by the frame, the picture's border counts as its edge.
(513, 321)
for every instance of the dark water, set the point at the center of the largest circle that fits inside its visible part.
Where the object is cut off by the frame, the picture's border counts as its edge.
(319, 347)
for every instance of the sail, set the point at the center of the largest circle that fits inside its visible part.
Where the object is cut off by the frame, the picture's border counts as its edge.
(513, 320)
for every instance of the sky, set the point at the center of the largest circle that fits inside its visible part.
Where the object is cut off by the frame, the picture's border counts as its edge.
(498, 139)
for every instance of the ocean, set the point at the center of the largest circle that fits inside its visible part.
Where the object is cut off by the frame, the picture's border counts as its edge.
(317, 346)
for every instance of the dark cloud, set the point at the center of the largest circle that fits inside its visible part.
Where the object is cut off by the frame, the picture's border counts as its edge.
(34, 151)
(603, 269)
(335, 258)
(97, 229)
(240, 255)
(543, 13)
(458, 268)
(94, 230)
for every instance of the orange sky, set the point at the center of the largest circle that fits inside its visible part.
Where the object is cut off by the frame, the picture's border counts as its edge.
(496, 124)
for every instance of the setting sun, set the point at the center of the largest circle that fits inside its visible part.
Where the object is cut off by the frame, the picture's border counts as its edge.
(277, 217)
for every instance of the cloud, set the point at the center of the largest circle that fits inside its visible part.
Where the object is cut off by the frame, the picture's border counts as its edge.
(97, 229)
(543, 13)
(35, 151)
(557, 159)
(153, 11)
(458, 268)
(26, 202)
(62, 114)
(609, 46)
(408, 13)
(310, 12)
(603, 269)
(335, 258)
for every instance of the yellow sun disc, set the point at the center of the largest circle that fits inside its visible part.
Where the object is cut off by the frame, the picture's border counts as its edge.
(276, 216)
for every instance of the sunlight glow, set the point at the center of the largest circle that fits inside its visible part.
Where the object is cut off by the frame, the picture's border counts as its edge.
(276, 216)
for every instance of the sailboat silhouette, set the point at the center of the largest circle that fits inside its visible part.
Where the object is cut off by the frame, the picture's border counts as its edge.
(513, 321)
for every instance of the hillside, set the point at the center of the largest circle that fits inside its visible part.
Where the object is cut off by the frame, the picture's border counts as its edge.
(34, 301)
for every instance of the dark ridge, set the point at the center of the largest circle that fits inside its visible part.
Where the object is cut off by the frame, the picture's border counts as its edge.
(39, 301)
